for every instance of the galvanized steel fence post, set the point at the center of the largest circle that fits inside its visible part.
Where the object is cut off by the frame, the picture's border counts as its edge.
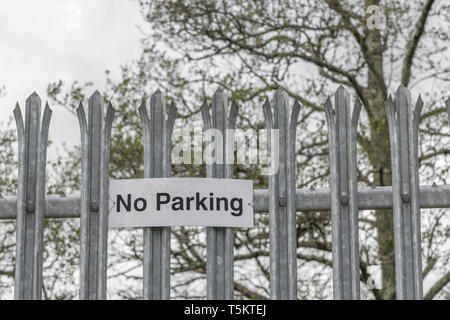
(342, 130)
(282, 198)
(403, 130)
(95, 146)
(32, 139)
(157, 132)
(220, 241)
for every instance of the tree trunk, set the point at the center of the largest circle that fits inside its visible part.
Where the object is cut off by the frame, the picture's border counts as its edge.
(379, 155)
(380, 159)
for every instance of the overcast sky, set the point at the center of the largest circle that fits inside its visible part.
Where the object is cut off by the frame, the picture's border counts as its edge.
(42, 41)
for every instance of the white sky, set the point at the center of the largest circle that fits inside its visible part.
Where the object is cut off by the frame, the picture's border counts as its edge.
(42, 41)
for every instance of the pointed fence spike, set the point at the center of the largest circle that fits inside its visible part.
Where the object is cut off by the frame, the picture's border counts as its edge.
(416, 116)
(218, 92)
(329, 108)
(389, 99)
(145, 121)
(156, 102)
(82, 121)
(447, 106)
(17, 112)
(143, 114)
(402, 87)
(390, 109)
(356, 112)
(267, 111)
(419, 99)
(219, 110)
(143, 103)
(419, 105)
(329, 104)
(330, 118)
(95, 101)
(96, 96)
(204, 105)
(206, 115)
(294, 116)
(110, 111)
(173, 111)
(231, 123)
(219, 103)
(341, 90)
(280, 100)
(280, 90)
(80, 106)
(34, 95)
(341, 101)
(402, 96)
(172, 106)
(45, 126)
(33, 101)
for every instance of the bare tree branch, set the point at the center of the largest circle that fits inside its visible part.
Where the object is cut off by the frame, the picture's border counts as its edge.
(413, 43)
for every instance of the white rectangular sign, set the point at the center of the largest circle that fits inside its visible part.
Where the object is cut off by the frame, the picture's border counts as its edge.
(157, 202)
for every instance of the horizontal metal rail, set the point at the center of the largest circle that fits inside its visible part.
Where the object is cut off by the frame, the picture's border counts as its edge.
(306, 200)
(56, 207)
(368, 198)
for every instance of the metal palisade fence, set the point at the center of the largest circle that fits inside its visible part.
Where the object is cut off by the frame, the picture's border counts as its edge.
(282, 200)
